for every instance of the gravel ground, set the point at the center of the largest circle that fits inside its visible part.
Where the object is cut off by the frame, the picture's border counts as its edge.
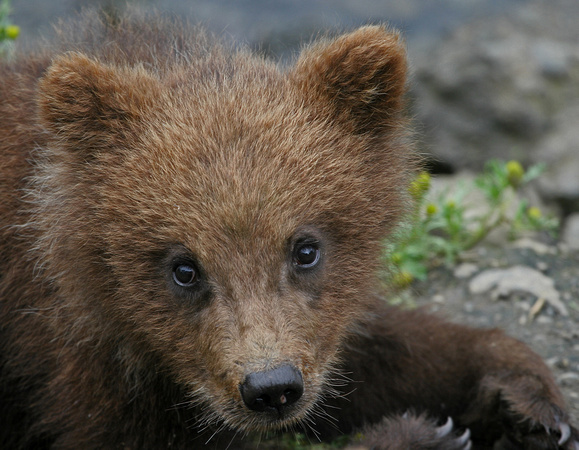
(523, 315)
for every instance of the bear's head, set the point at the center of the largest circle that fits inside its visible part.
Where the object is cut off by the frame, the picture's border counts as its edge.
(219, 220)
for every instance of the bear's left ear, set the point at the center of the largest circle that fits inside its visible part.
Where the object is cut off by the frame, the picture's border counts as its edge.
(358, 78)
(83, 101)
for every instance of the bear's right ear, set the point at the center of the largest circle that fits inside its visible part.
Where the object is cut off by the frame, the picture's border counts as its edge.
(84, 101)
(358, 78)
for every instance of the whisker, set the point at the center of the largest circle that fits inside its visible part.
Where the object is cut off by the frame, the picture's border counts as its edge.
(309, 422)
(231, 441)
(219, 429)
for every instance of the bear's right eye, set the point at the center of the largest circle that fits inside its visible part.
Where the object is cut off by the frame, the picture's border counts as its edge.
(306, 254)
(184, 274)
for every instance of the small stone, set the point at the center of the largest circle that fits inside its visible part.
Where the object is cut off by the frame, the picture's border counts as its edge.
(465, 270)
(523, 305)
(563, 248)
(552, 57)
(552, 362)
(438, 298)
(538, 247)
(568, 378)
(570, 233)
(544, 320)
(542, 266)
(504, 282)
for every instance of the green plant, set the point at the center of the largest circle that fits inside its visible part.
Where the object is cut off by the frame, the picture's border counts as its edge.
(299, 441)
(443, 227)
(8, 31)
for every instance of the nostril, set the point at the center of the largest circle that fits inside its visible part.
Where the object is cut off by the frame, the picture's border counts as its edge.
(272, 390)
(287, 395)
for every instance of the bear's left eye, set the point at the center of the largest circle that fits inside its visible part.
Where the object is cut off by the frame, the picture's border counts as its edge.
(306, 254)
(185, 274)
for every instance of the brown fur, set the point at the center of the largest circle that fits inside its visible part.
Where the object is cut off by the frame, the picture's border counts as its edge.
(128, 147)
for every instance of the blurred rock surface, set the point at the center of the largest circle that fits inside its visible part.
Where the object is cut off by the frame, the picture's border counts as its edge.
(570, 235)
(507, 87)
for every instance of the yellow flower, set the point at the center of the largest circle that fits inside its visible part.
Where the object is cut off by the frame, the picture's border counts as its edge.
(431, 209)
(534, 213)
(515, 173)
(420, 185)
(396, 258)
(12, 31)
(402, 279)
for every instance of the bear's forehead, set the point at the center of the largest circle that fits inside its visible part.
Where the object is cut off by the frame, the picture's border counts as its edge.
(236, 145)
(238, 165)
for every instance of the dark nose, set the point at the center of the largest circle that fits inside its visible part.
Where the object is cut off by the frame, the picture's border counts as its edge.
(272, 390)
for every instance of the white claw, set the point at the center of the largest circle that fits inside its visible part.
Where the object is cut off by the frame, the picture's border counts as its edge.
(565, 433)
(468, 445)
(445, 429)
(465, 437)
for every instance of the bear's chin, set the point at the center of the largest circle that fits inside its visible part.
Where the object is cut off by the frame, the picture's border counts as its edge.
(242, 420)
(220, 412)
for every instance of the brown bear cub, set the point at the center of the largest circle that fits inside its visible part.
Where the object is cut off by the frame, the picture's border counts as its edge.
(190, 238)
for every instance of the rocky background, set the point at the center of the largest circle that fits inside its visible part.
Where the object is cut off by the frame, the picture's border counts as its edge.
(490, 79)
